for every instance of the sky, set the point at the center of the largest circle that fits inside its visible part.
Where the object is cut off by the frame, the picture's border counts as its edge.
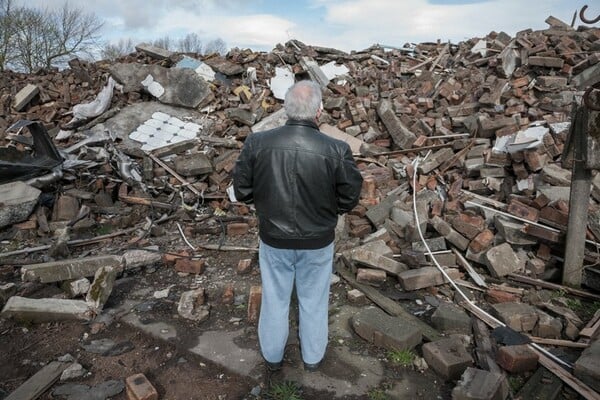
(342, 24)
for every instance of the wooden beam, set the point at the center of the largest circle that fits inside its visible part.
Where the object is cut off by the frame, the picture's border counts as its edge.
(35, 386)
(554, 286)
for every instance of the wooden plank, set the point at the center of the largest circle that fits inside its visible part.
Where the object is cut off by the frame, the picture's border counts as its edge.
(558, 342)
(40, 382)
(466, 265)
(541, 386)
(554, 286)
(386, 304)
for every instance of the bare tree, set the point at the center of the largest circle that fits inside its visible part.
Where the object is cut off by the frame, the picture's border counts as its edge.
(164, 42)
(216, 46)
(31, 39)
(112, 51)
(7, 28)
(191, 43)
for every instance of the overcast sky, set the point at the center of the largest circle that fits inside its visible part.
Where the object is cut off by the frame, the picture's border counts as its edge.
(342, 24)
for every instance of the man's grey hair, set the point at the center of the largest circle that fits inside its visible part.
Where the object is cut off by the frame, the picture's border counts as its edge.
(303, 100)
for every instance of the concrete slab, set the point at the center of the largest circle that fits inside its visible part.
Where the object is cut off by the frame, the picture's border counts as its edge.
(24, 96)
(62, 270)
(381, 329)
(518, 316)
(18, 201)
(587, 367)
(447, 357)
(477, 384)
(451, 318)
(45, 310)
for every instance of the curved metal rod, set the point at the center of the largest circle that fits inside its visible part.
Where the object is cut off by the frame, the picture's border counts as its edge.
(584, 19)
(588, 102)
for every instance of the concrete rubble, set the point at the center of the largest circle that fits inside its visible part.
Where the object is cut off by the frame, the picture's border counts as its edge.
(463, 143)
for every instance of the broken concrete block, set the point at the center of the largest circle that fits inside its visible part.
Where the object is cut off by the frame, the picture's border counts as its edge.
(138, 387)
(73, 371)
(193, 164)
(63, 270)
(547, 326)
(153, 51)
(452, 236)
(354, 143)
(556, 176)
(25, 95)
(374, 260)
(65, 208)
(518, 316)
(314, 71)
(192, 305)
(375, 326)
(18, 200)
(501, 260)
(46, 310)
(224, 66)
(240, 115)
(588, 77)
(518, 358)
(400, 134)
(377, 247)
(101, 287)
(423, 277)
(447, 357)
(435, 160)
(182, 86)
(77, 287)
(587, 367)
(477, 384)
(369, 276)
(434, 244)
(379, 213)
(140, 258)
(511, 231)
(451, 318)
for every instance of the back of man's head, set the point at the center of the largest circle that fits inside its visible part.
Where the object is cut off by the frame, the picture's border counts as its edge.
(303, 100)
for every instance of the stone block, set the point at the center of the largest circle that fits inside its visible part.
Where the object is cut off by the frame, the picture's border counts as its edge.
(381, 329)
(511, 231)
(77, 287)
(101, 287)
(46, 310)
(549, 62)
(190, 265)
(435, 244)
(547, 326)
(518, 316)
(142, 258)
(452, 236)
(501, 260)
(355, 296)
(193, 164)
(374, 260)
(153, 51)
(399, 133)
(25, 95)
(18, 200)
(237, 228)
(379, 213)
(556, 176)
(244, 266)
(482, 241)
(254, 301)
(138, 387)
(587, 367)
(423, 277)
(451, 318)
(519, 358)
(477, 384)
(62, 270)
(448, 357)
(469, 225)
(192, 305)
(369, 276)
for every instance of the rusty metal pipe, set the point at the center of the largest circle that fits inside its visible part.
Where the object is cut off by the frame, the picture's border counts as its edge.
(584, 19)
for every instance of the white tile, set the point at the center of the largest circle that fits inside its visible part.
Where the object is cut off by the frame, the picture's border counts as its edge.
(190, 126)
(161, 116)
(187, 134)
(177, 122)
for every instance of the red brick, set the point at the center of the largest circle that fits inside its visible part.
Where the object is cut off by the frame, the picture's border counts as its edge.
(170, 258)
(359, 211)
(544, 252)
(519, 209)
(138, 387)
(189, 265)
(517, 358)
(254, 301)
(369, 188)
(553, 215)
(360, 231)
(482, 241)
(370, 276)
(468, 225)
(237, 228)
(244, 266)
(499, 296)
(540, 201)
(228, 294)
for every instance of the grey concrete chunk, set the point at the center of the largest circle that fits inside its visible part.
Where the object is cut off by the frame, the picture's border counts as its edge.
(240, 115)
(375, 260)
(448, 357)
(180, 86)
(477, 384)
(501, 260)
(587, 77)
(62, 270)
(101, 287)
(451, 318)
(193, 164)
(511, 231)
(225, 66)
(376, 246)
(381, 329)
(192, 306)
(153, 51)
(435, 244)
(46, 310)
(547, 326)
(18, 201)
(587, 367)
(400, 134)
(518, 316)
(140, 258)
(77, 287)
(555, 175)
(423, 277)
(24, 96)
(379, 213)
(444, 229)
(435, 160)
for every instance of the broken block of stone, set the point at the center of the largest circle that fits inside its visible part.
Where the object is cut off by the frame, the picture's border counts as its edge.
(451, 318)
(381, 329)
(379, 213)
(435, 244)
(18, 200)
(62, 270)
(140, 258)
(400, 134)
(374, 260)
(547, 326)
(423, 277)
(452, 236)
(376, 246)
(512, 232)
(587, 367)
(46, 310)
(153, 51)
(25, 95)
(192, 305)
(138, 387)
(76, 288)
(355, 296)
(448, 357)
(101, 287)
(6, 291)
(477, 384)
(73, 371)
(369, 276)
(517, 358)
(193, 164)
(518, 316)
(501, 260)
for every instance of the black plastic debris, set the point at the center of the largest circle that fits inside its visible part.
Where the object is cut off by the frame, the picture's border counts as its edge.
(40, 158)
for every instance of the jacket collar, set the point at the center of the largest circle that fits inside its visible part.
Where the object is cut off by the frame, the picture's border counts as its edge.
(303, 122)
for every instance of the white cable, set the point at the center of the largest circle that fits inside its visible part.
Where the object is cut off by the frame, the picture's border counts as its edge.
(439, 267)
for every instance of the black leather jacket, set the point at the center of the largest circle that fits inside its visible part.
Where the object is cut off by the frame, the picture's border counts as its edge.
(299, 180)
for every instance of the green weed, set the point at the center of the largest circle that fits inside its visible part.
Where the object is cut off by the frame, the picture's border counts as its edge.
(286, 390)
(401, 357)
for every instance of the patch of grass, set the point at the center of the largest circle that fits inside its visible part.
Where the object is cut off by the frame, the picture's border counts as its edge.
(286, 390)
(583, 309)
(104, 229)
(377, 394)
(401, 357)
(516, 382)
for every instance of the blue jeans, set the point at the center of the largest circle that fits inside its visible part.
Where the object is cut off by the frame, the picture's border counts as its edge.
(311, 270)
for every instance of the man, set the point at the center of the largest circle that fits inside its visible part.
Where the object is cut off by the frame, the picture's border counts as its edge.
(299, 180)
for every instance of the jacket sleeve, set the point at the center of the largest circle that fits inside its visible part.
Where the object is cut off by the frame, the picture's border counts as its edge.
(348, 183)
(243, 174)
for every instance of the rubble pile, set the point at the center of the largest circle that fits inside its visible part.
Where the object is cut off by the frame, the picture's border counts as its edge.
(464, 143)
